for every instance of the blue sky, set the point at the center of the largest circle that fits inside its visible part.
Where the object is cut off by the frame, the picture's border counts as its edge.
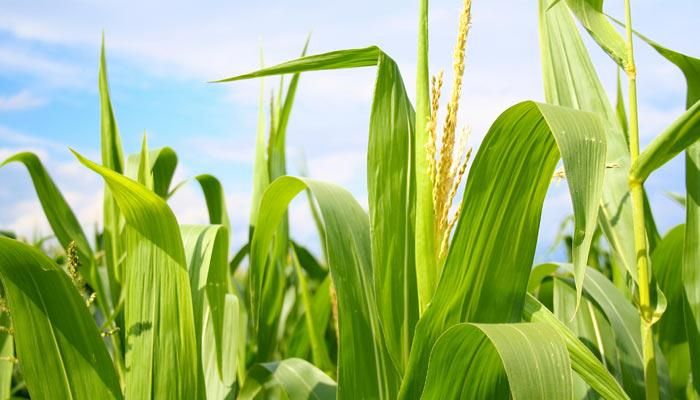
(161, 54)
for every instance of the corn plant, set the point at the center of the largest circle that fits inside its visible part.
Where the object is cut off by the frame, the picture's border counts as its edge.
(414, 297)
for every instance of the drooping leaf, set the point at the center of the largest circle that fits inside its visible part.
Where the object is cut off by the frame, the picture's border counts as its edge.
(493, 361)
(494, 242)
(160, 329)
(390, 186)
(60, 216)
(216, 200)
(361, 342)
(291, 379)
(58, 345)
(583, 361)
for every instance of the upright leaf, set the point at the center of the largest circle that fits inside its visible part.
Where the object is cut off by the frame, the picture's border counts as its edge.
(390, 176)
(160, 329)
(590, 14)
(220, 378)
(59, 347)
(570, 80)
(361, 342)
(426, 273)
(206, 252)
(112, 158)
(494, 242)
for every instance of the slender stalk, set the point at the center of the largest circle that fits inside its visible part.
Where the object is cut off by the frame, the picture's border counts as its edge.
(426, 270)
(640, 237)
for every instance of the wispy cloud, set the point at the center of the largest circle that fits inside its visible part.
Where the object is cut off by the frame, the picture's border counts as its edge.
(22, 100)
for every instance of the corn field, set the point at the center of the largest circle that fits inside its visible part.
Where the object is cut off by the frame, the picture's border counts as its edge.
(430, 293)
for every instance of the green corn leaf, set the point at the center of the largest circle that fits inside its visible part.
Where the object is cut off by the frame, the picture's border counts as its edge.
(620, 107)
(299, 342)
(690, 66)
(163, 169)
(161, 163)
(682, 133)
(590, 326)
(216, 200)
(493, 361)
(307, 261)
(220, 378)
(160, 329)
(7, 351)
(261, 174)
(583, 361)
(590, 14)
(691, 259)
(112, 158)
(60, 216)
(314, 330)
(58, 345)
(291, 379)
(361, 342)
(390, 186)
(667, 261)
(238, 258)
(570, 80)
(206, 251)
(624, 321)
(494, 242)
(272, 305)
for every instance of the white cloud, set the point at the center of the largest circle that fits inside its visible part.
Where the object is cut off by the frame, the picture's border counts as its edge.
(22, 100)
(48, 70)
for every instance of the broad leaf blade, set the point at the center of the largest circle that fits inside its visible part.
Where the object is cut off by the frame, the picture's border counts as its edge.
(494, 242)
(361, 342)
(206, 251)
(58, 345)
(160, 327)
(583, 361)
(490, 361)
(390, 177)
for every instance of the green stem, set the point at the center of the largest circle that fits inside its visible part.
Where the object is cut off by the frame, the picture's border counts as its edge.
(640, 237)
(426, 270)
